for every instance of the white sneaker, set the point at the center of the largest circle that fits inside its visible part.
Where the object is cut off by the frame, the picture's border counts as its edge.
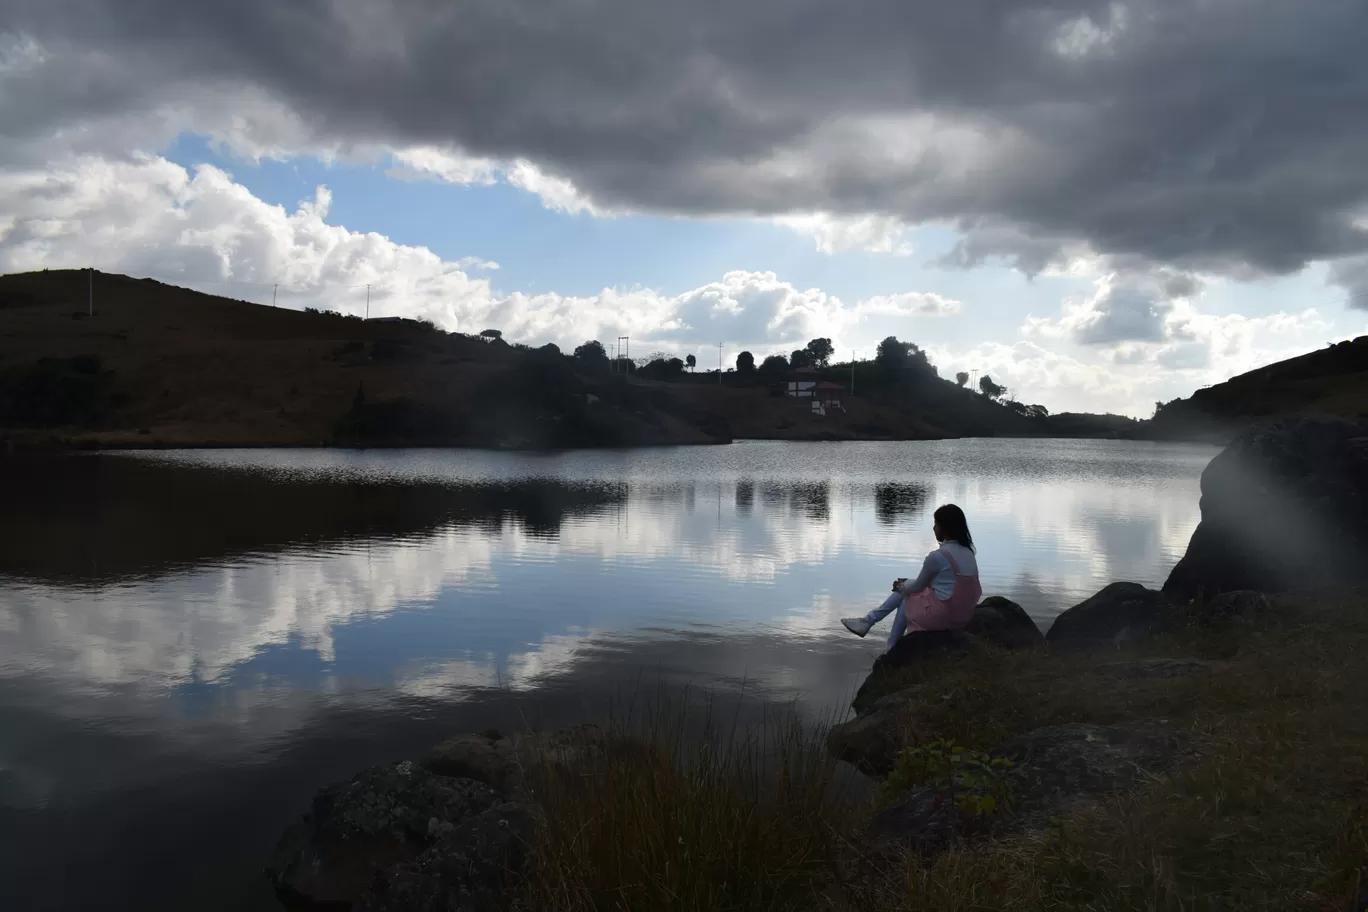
(858, 626)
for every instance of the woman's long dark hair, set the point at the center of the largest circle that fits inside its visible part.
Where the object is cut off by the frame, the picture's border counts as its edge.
(954, 525)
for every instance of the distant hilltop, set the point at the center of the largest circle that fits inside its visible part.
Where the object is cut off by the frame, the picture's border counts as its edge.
(1331, 381)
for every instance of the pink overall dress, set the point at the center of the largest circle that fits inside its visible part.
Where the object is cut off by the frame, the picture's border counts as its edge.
(923, 611)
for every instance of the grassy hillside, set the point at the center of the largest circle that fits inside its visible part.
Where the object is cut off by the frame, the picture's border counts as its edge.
(159, 365)
(1331, 381)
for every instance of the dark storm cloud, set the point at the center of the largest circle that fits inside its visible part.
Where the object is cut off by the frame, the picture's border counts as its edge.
(1223, 135)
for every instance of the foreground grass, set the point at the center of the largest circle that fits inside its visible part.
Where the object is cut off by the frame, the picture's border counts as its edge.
(1268, 811)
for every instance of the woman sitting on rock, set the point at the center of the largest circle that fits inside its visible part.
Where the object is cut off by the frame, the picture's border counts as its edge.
(943, 595)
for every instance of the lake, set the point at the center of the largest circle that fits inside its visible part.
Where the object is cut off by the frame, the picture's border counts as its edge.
(191, 643)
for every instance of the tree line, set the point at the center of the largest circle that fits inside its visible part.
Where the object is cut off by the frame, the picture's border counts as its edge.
(896, 363)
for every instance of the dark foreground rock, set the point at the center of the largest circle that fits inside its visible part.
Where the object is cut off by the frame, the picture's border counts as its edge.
(916, 648)
(394, 819)
(468, 870)
(1284, 509)
(871, 742)
(1004, 623)
(1119, 613)
(998, 621)
(1055, 767)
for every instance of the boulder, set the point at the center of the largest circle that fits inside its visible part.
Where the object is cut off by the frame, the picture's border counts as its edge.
(1055, 767)
(385, 816)
(916, 648)
(1004, 623)
(871, 742)
(1119, 613)
(489, 757)
(470, 869)
(1284, 509)
(1242, 603)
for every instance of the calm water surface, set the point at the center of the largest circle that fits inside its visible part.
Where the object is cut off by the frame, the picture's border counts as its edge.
(192, 642)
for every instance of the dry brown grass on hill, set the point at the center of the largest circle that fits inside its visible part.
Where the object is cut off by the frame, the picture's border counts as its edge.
(193, 368)
(163, 366)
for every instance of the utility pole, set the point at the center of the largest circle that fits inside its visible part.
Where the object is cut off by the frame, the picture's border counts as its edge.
(852, 373)
(90, 303)
(367, 302)
(274, 289)
(719, 363)
(624, 350)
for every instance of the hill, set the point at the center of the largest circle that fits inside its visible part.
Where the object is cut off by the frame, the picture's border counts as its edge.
(1331, 381)
(158, 365)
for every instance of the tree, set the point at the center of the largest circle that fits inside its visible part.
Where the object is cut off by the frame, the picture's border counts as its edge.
(892, 353)
(592, 356)
(550, 348)
(691, 361)
(800, 358)
(989, 388)
(962, 378)
(490, 335)
(745, 363)
(820, 352)
(774, 364)
(1038, 412)
(662, 369)
(895, 357)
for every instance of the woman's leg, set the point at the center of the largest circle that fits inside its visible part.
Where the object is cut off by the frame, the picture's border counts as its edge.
(890, 603)
(899, 625)
(860, 625)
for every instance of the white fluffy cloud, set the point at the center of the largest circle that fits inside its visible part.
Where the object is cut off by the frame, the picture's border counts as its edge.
(148, 216)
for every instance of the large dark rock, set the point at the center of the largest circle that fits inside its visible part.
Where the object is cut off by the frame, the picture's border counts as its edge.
(1055, 767)
(386, 816)
(1004, 623)
(870, 742)
(1284, 508)
(1120, 612)
(916, 648)
(470, 869)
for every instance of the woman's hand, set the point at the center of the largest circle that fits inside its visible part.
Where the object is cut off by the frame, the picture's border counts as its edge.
(897, 583)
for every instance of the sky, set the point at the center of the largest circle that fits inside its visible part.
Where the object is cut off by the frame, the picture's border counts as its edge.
(1100, 204)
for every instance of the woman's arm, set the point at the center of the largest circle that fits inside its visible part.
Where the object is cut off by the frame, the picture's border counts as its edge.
(930, 567)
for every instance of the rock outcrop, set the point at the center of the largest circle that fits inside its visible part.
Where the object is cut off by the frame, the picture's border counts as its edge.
(870, 742)
(1004, 623)
(449, 834)
(998, 621)
(1054, 767)
(1119, 613)
(916, 648)
(1284, 509)
(393, 819)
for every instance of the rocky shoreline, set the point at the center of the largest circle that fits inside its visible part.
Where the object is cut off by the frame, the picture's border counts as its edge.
(456, 830)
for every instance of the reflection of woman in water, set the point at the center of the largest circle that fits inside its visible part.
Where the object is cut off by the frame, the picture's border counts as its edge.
(943, 595)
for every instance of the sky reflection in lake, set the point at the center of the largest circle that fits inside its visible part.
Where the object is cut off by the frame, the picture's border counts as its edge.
(226, 630)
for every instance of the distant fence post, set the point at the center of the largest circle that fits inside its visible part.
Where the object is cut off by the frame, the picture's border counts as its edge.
(90, 292)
